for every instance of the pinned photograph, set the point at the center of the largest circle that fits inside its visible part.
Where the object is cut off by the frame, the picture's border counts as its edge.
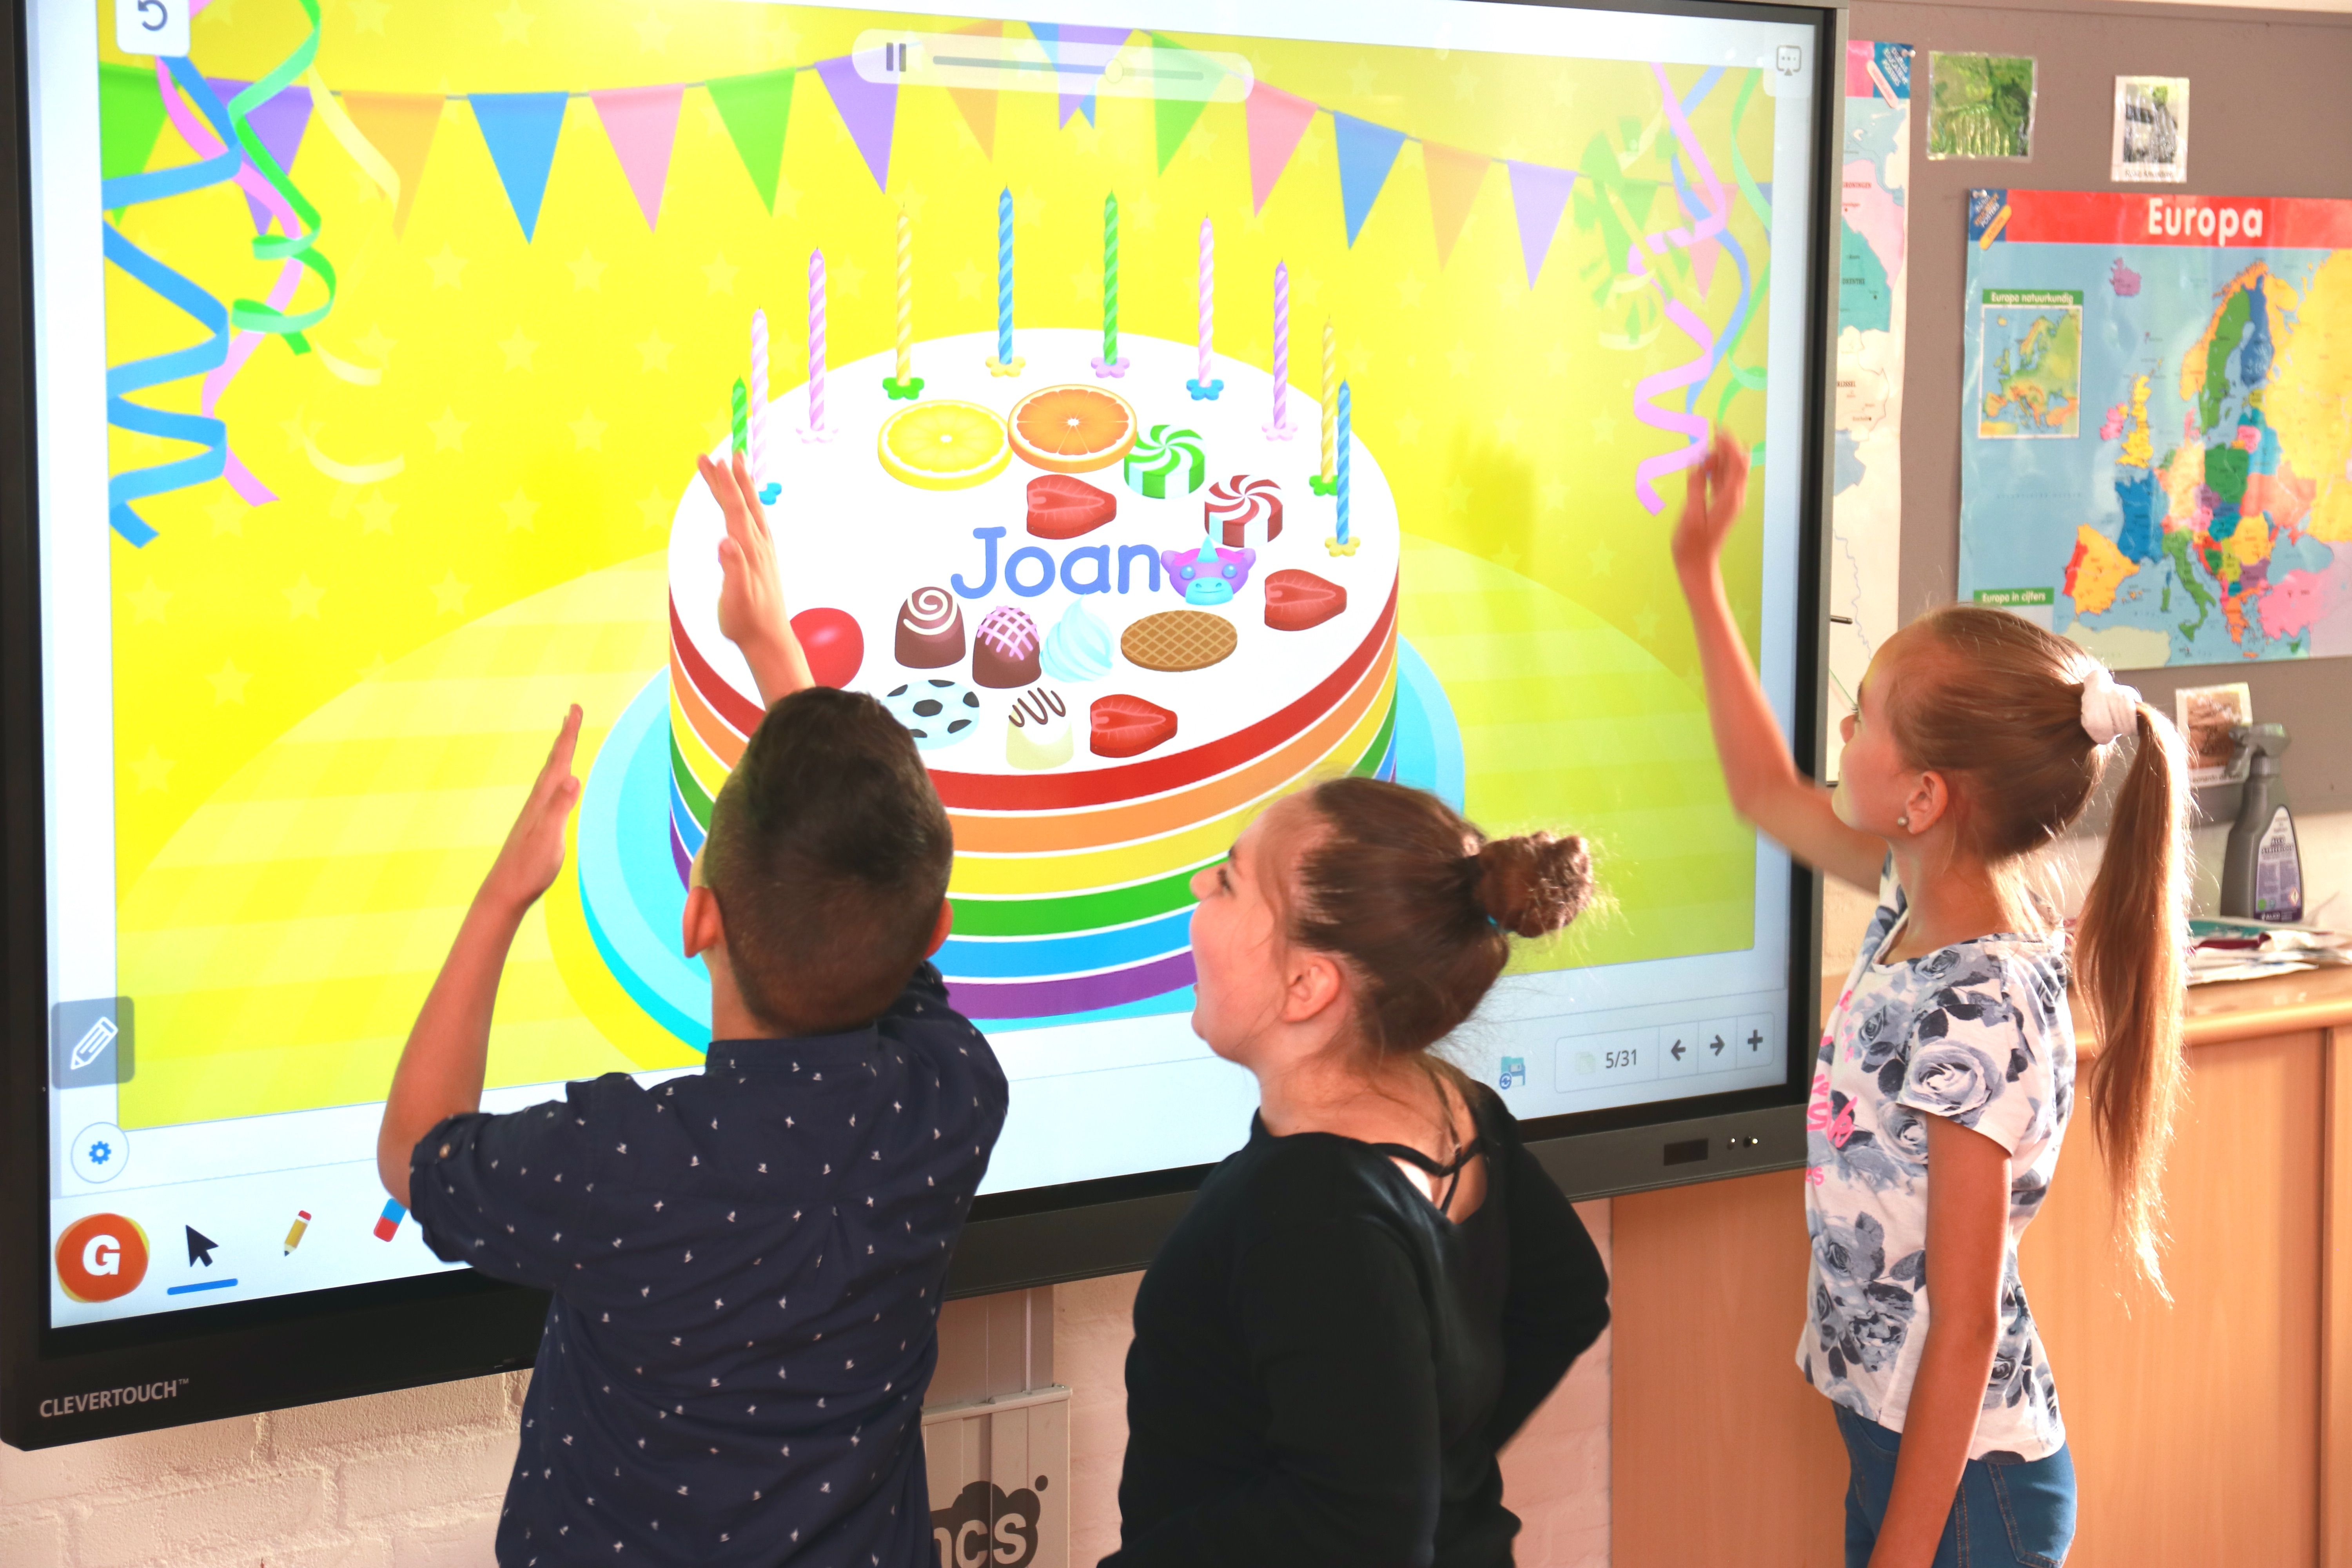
(2206, 715)
(1980, 106)
(2151, 141)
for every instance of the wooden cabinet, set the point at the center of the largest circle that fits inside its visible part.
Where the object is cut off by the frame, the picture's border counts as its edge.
(2216, 1429)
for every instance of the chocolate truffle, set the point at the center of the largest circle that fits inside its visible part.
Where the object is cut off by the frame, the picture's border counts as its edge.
(930, 630)
(1004, 649)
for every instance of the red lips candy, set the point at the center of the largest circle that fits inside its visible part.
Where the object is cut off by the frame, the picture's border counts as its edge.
(1125, 726)
(1062, 506)
(1295, 600)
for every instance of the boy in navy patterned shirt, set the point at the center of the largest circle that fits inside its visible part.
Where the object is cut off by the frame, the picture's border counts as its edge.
(746, 1263)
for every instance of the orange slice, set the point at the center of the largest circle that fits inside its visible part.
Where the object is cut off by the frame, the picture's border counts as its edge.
(1072, 429)
(943, 446)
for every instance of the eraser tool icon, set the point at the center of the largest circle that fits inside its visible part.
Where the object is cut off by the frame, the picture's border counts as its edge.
(389, 1221)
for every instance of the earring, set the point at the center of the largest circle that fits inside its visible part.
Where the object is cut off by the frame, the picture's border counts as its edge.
(1904, 822)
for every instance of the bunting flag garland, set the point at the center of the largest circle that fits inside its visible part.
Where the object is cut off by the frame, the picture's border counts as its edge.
(1537, 193)
(1454, 177)
(1367, 153)
(521, 129)
(1277, 121)
(978, 105)
(390, 135)
(755, 110)
(641, 123)
(1173, 119)
(867, 110)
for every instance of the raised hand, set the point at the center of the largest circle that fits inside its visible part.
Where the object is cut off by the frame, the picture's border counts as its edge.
(751, 592)
(532, 856)
(1712, 497)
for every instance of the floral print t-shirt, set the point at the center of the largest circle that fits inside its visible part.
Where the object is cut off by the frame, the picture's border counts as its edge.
(1978, 1033)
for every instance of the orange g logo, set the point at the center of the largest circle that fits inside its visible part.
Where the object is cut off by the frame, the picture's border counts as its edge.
(101, 1257)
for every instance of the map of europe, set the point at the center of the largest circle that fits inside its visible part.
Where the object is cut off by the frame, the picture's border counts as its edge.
(2158, 457)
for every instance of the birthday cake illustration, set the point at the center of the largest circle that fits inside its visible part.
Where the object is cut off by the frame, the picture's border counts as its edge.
(1116, 618)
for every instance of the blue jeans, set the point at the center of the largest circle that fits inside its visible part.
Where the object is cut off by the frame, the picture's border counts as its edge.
(2009, 1513)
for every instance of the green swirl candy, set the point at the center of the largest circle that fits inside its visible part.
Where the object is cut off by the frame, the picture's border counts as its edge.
(1160, 455)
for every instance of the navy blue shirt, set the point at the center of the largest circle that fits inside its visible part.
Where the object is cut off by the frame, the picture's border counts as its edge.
(746, 1266)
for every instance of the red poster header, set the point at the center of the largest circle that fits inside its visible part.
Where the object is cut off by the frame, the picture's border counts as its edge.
(2132, 217)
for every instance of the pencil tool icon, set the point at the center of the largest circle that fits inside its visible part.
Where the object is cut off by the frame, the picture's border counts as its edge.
(389, 1221)
(95, 1040)
(301, 1224)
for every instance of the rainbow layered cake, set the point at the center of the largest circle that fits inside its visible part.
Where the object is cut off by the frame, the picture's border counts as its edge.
(1108, 611)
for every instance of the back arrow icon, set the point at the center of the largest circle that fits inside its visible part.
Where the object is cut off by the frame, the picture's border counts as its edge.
(1677, 1052)
(199, 1248)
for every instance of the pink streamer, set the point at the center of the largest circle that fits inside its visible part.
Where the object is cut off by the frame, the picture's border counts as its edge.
(200, 138)
(1694, 372)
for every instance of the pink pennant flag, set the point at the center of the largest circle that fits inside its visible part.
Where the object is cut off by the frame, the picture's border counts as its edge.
(868, 110)
(1703, 257)
(1539, 194)
(1277, 121)
(642, 122)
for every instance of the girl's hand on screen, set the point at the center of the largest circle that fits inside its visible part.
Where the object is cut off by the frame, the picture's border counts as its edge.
(1712, 499)
(532, 856)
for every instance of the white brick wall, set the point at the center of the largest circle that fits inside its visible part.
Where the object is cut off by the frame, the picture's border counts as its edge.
(397, 1480)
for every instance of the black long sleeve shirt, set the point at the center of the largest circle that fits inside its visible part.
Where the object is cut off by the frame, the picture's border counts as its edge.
(1325, 1367)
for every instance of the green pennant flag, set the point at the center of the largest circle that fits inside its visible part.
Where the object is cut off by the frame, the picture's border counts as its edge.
(755, 109)
(129, 118)
(1173, 117)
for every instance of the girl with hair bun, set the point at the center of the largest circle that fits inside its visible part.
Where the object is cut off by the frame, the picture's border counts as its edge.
(1946, 1078)
(1374, 1293)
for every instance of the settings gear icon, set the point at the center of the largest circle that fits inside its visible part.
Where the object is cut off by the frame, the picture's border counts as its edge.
(101, 1151)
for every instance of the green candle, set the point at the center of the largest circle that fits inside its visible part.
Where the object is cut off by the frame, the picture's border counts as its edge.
(741, 404)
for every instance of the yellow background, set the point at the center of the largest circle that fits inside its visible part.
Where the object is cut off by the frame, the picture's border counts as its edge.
(545, 398)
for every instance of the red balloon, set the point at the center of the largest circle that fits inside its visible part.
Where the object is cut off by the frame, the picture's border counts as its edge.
(834, 646)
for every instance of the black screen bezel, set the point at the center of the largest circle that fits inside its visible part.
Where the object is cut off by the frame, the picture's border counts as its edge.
(70, 1385)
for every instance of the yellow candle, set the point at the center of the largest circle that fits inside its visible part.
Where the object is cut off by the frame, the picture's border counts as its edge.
(1331, 398)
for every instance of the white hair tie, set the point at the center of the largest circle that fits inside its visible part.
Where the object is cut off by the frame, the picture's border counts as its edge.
(2108, 710)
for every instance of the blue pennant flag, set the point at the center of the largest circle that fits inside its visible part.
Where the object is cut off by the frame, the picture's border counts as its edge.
(1367, 153)
(519, 129)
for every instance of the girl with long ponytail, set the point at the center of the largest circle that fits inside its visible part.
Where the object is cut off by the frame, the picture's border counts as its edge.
(1946, 1079)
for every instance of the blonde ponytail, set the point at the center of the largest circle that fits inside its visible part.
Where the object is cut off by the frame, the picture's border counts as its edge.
(2129, 971)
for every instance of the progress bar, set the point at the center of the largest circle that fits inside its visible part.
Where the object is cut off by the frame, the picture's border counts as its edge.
(1128, 66)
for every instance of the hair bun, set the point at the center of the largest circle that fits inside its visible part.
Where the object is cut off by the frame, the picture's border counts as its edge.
(1533, 884)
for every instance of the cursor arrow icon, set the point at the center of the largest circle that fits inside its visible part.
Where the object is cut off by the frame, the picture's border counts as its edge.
(199, 1248)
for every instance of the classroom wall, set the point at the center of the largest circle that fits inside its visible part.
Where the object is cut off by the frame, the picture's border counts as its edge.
(2269, 116)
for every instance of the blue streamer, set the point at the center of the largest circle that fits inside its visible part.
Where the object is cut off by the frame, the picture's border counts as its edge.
(137, 375)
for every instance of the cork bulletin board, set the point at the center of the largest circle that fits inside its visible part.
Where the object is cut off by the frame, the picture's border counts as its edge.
(2273, 118)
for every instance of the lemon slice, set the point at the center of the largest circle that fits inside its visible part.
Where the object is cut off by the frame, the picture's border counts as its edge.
(944, 445)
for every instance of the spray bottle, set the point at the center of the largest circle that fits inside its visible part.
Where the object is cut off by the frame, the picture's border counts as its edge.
(2262, 876)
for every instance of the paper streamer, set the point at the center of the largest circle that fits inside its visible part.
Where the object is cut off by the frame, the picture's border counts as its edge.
(137, 375)
(1694, 372)
(256, 315)
(347, 135)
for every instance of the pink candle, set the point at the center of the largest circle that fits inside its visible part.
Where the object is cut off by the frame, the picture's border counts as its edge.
(816, 430)
(1201, 388)
(1280, 429)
